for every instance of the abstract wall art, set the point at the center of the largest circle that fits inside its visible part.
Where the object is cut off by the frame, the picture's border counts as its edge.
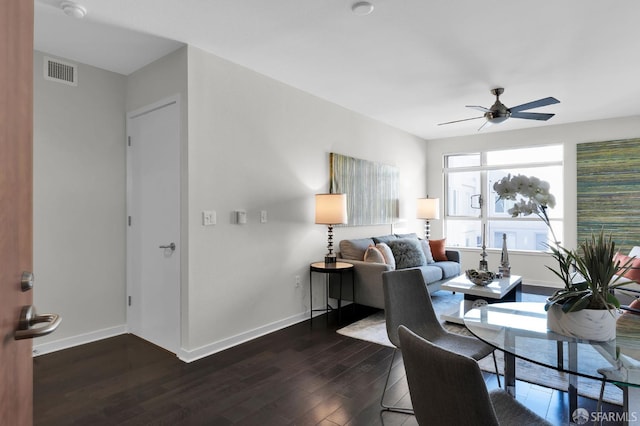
(609, 190)
(371, 188)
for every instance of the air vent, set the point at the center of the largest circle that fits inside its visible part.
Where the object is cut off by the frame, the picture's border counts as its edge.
(62, 72)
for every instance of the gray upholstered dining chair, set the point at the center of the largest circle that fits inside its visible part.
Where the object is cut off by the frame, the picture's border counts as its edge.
(407, 302)
(448, 388)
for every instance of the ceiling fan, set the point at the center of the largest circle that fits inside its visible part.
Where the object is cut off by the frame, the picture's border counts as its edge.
(499, 112)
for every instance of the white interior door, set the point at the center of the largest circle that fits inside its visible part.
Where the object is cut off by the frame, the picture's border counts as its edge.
(153, 237)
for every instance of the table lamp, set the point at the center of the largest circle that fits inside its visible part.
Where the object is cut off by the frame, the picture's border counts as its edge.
(331, 209)
(428, 208)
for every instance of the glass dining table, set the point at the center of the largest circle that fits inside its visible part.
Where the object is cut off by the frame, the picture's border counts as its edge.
(520, 330)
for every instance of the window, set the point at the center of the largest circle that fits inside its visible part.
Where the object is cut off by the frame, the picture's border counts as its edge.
(473, 208)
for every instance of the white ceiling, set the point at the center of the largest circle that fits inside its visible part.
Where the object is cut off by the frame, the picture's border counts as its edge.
(411, 63)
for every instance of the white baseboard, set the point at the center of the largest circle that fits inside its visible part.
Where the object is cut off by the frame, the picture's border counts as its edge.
(210, 349)
(183, 354)
(81, 339)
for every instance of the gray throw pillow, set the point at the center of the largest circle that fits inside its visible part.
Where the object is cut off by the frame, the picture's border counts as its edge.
(407, 253)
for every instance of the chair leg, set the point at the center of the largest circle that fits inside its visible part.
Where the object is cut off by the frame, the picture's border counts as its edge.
(560, 355)
(384, 391)
(495, 364)
(600, 399)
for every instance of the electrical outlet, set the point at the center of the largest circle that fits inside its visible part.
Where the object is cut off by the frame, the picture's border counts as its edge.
(297, 280)
(263, 216)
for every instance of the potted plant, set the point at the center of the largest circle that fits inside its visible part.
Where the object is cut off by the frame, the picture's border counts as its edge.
(586, 308)
(589, 274)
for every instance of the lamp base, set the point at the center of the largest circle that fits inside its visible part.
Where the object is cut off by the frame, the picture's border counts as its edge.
(330, 259)
(484, 266)
(505, 271)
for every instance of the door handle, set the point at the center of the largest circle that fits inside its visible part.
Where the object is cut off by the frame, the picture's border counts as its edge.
(171, 246)
(28, 318)
(480, 201)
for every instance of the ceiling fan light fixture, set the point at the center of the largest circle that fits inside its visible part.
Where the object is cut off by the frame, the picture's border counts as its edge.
(499, 112)
(73, 9)
(362, 8)
(496, 117)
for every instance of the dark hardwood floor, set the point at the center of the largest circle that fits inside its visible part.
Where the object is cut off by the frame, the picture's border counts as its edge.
(301, 375)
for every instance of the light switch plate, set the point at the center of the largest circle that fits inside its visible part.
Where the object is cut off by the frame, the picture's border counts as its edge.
(263, 216)
(208, 217)
(241, 217)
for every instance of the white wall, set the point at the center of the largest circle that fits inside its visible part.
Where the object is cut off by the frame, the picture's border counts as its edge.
(530, 266)
(159, 80)
(248, 142)
(79, 204)
(257, 144)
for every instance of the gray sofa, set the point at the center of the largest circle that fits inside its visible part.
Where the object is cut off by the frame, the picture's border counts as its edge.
(368, 275)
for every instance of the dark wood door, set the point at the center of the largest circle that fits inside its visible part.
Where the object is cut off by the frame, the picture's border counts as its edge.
(16, 235)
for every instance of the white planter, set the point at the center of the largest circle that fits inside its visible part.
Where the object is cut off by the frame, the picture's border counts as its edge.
(588, 324)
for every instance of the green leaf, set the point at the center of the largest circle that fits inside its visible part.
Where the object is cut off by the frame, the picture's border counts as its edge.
(580, 286)
(577, 304)
(612, 300)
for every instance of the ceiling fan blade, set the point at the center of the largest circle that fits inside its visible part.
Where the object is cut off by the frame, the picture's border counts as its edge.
(531, 115)
(479, 108)
(535, 104)
(486, 123)
(458, 121)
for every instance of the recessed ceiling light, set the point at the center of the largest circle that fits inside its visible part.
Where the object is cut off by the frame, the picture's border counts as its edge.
(73, 9)
(362, 8)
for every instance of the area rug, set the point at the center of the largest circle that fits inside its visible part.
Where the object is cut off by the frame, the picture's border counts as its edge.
(373, 329)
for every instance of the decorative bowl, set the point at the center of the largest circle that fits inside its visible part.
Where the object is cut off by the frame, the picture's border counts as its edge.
(482, 278)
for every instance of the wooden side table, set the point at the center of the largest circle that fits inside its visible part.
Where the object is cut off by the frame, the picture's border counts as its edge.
(339, 269)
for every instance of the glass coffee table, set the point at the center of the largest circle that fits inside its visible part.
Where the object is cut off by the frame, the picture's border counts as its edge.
(506, 289)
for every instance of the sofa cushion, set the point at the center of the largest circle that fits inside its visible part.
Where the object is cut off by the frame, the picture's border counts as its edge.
(385, 238)
(373, 255)
(438, 250)
(407, 252)
(430, 273)
(449, 269)
(387, 254)
(427, 251)
(354, 249)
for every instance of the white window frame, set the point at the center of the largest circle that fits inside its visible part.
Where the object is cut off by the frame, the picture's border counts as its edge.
(484, 169)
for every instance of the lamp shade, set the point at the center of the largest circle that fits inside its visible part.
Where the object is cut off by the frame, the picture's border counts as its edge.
(331, 209)
(428, 208)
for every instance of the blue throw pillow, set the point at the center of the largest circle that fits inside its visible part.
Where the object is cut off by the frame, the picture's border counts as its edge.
(412, 235)
(385, 239)
(407, 253)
